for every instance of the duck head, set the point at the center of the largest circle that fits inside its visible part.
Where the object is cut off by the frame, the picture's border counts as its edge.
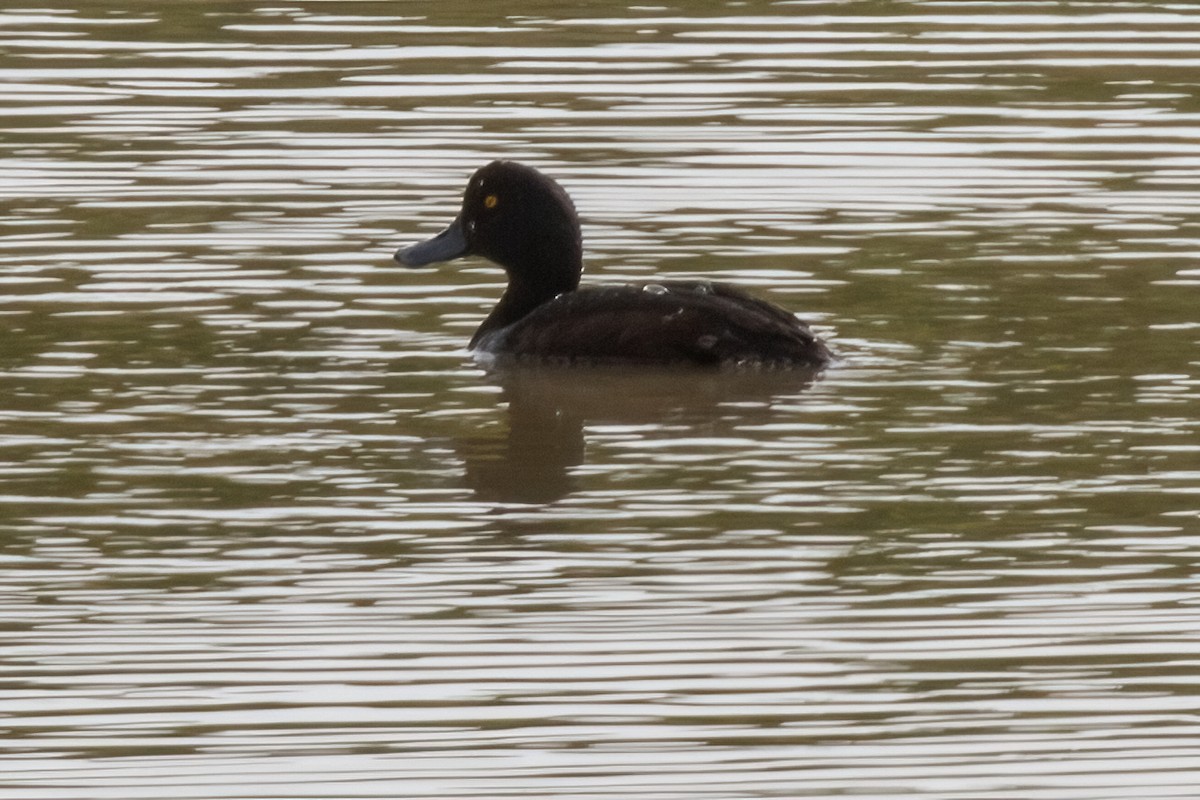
(517, 218)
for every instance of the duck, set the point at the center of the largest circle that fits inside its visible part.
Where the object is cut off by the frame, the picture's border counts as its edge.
(523, 221)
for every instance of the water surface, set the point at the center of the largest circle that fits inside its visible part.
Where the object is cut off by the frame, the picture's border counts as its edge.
(268, 530)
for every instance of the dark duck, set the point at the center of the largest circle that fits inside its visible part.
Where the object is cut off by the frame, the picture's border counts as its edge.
(521, 220)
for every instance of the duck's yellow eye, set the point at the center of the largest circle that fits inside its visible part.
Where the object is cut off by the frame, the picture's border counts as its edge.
(490, 201)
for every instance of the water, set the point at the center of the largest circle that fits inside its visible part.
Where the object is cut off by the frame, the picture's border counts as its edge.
(268, 531)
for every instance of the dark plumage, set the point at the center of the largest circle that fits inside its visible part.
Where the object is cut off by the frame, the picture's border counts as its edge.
(523, 221)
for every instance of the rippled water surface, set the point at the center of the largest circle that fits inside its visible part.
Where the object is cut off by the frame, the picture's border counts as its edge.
(268, 531)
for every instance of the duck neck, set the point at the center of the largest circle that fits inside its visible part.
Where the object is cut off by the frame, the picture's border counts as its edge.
(520, 298)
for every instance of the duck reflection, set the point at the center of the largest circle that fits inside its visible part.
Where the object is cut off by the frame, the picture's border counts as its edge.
(549, 409)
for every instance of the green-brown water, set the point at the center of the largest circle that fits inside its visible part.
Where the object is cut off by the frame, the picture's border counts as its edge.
(268, 531)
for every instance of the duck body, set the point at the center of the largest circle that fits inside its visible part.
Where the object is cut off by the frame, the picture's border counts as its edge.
(669, 323)
(523, 221)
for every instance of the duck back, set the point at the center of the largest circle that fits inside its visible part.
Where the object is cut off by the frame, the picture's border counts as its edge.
(694, 323)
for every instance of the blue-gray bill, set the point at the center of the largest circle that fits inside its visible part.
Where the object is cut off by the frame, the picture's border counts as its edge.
(449, 244)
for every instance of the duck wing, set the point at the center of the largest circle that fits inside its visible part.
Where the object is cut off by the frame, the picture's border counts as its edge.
(672, 322)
